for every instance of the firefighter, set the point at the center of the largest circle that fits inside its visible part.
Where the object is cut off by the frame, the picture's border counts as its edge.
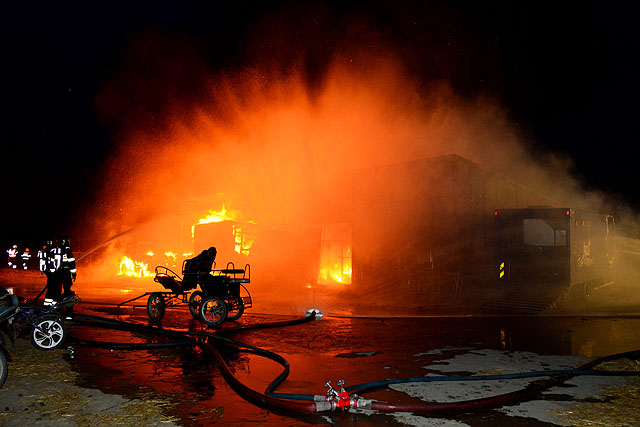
(52, 266)
(42, 259)
(26, 256)
(13, 256)
(67, 266)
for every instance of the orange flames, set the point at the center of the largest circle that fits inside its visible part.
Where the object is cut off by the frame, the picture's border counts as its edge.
(335, 274)
(243, 233)
(335, 255)
(243, 240)
(216, 216)
(334, 266)
(131, 268)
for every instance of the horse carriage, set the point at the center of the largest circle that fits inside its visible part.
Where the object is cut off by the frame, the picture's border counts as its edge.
(222, 294)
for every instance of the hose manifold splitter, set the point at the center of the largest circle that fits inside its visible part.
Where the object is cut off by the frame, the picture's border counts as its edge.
(341, 399)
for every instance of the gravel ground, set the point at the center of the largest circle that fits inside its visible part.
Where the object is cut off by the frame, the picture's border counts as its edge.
(40, 391)
(43, 389)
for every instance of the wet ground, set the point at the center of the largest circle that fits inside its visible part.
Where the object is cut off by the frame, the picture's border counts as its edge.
(188, 384)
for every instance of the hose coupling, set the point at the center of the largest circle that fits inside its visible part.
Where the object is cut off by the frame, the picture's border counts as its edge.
(359, 403)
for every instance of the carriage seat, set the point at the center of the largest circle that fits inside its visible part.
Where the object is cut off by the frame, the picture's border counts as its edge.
(194, 278)
(169, 280)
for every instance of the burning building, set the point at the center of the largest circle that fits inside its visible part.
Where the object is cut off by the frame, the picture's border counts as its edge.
(424, 229)
(345, 188)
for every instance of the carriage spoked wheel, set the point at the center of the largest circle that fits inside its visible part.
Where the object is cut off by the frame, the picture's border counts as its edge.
(48, 332)
(235, 307)
(195, 300)
(155, 307)
(213, 311)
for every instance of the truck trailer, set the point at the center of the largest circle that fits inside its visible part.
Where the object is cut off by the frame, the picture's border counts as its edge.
(551, 254)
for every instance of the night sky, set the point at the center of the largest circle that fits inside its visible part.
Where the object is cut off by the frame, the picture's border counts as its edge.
(562, 70)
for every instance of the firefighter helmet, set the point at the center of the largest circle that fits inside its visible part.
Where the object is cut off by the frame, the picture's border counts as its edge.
(50, 243)
(15, 246)
(64, 241)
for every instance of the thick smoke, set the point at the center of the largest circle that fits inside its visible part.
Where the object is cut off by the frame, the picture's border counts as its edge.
(272, 141)
(268, 137)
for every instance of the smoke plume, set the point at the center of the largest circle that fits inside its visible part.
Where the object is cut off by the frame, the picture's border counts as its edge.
(272, 137)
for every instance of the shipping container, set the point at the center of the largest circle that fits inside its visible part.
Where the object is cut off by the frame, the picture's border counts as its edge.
(554, 252)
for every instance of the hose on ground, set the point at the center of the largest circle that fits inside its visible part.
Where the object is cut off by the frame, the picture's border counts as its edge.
(89, 320)
(555, 377)
(243, 390)
(295, 402)
(133, 346)
(376, 385)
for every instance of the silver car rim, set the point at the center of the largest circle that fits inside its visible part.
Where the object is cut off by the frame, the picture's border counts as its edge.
(51, 337)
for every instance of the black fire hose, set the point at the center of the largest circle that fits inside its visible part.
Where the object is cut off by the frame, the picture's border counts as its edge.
(242, 389)
(316, 404)
(297, 321)
(264, 399)
(557, 378)
(89, 320)
(277, 399)
(261, 398)
(133, 346)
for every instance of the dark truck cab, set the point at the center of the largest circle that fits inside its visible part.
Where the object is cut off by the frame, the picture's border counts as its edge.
(554, 251)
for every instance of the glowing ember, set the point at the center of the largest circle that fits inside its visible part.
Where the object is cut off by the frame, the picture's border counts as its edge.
(131, 268)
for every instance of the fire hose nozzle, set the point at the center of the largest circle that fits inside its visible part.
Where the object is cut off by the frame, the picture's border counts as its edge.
(313, 311)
